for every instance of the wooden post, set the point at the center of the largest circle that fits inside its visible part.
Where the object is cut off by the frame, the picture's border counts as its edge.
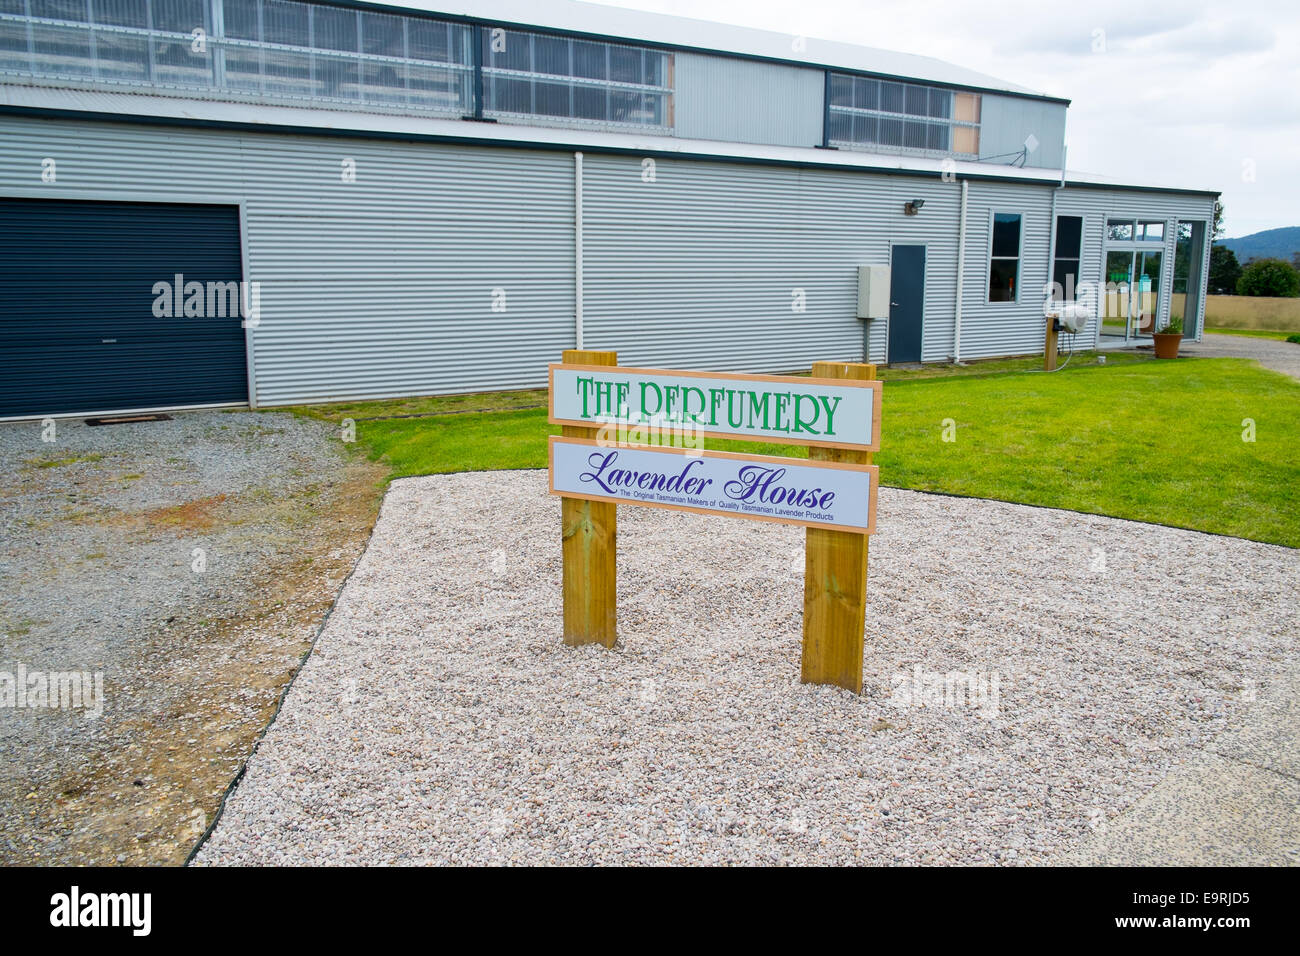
(1049, 352)
(590, 547)
(835, 576)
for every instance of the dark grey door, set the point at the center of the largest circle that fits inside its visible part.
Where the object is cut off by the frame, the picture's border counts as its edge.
(906, 303)
(78, 330)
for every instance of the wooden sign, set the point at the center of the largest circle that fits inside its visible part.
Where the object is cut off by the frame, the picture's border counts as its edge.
(816, 494)
(835, 412)
(790, 409)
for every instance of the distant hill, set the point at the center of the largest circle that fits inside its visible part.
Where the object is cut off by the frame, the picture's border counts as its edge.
(1269, 244)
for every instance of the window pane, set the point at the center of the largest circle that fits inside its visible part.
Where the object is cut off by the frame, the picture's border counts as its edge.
(867, 94)
(841, 127)
(517, 54)
(940, 103)
(1153, 230)
(918, 100)
(60, 10)
(624, 64)
(891, 97)
(551, 55)
(122, 57)
(891, 132)
(1069, 237)
(1119, 230)
(632, 69)
(841, 90)
(241, 19)
(1006, 234)
(1003, 274)
(591, 103)
(510, 96)
(655, 66)
(1066, 276)
(426, 41)
(333, 28)
(381, 35)
(915, 135)
(121, 13)
(866, 129)
(589, 60)
(552, 99)
(180, 16)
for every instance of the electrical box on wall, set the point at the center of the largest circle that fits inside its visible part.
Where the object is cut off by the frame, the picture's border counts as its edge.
(873, 292)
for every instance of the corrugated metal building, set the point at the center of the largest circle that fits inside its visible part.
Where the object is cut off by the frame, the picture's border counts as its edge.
(416, 199)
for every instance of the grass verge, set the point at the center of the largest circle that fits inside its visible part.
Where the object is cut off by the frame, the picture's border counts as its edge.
(1157, 441)
(1253, 333)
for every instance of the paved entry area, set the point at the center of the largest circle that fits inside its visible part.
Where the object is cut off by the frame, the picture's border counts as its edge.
(182, 567)
(1032, 676)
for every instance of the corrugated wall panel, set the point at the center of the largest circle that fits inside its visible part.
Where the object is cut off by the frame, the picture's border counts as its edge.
(699, 267)
(745, 101)
(384, 286)
(1005, 328)
(1007, 121)
(375, 288)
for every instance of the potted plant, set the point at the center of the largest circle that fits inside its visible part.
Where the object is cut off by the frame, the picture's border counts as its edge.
(1167, 339)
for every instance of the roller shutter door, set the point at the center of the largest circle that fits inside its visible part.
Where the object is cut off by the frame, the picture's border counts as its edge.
(78, 331)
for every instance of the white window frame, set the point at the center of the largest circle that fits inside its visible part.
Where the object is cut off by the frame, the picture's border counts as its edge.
(1020, 257)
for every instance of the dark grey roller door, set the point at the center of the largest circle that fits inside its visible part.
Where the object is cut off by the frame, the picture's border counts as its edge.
(77, 326)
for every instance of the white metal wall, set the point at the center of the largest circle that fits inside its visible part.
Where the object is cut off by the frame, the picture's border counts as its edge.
(700, 267)
(385, 286)
(744, 101)
(1007, 121)
(1005, 328)
(375, 288)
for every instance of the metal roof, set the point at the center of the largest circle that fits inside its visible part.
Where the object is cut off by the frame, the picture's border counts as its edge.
(686, 33)
(144, 108)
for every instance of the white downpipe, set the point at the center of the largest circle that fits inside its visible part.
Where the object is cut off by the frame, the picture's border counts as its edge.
(577, 250)
(961, 274)
(1051, 258)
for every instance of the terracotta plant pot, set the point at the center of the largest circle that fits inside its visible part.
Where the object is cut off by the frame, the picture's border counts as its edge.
(1167, 344)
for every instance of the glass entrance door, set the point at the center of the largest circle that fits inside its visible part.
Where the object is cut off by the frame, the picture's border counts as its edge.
(1132, 299)
(1115, 304)
(1146, 291)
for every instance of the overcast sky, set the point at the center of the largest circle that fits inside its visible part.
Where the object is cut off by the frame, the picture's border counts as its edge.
(1184, 92)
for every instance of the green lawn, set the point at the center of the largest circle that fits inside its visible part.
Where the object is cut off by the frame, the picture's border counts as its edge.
(1253, 333)
(1136, 438)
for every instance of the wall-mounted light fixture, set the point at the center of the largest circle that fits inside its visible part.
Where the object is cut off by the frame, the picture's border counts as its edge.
(913, 207)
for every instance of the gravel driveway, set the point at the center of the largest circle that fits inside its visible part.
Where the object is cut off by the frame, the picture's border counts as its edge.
(1280, 356)
(441, 720)
(188, 562)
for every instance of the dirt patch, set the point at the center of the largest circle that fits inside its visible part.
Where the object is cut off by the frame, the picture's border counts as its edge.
(192, 515)
(191, 677)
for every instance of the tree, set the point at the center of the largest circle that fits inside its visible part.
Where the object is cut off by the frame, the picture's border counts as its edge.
(1216, 230)
(1225, 270)
(1269, 277)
